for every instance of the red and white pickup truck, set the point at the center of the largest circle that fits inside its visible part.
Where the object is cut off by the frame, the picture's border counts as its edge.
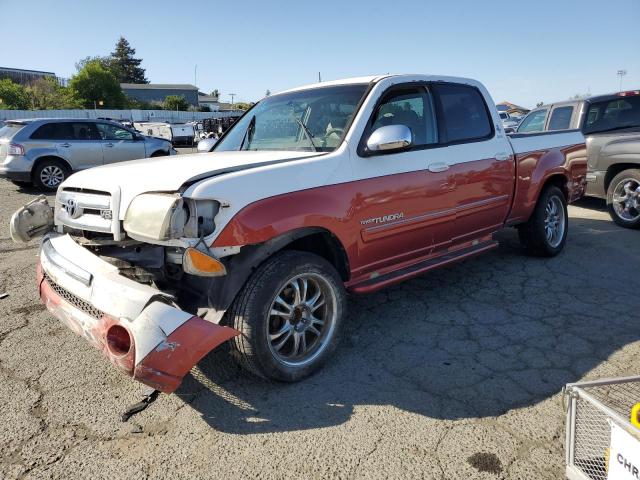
(348, 185)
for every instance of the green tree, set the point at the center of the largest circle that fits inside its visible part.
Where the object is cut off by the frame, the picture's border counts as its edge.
(242, 106)
(104, 61)
(267, 93)
(215, 93)
(46, 94)
(175, 102)
(13, 96)
(124, 65)
(94, 83)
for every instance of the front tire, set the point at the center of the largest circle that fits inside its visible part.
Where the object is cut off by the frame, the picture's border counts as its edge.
(545, 234)
(623, 198)
(289, 313)
(49, 174)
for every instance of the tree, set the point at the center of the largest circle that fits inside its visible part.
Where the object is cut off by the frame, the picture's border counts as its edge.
(46, 93)
(13, 96)
(242, 106)
(539, 104)
(104, 61)
(124, 65)
(267, 93)
(175, 102)
(215, 93)
(94, 83)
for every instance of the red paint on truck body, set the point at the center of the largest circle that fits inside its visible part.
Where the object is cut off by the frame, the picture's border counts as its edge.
(391, 222)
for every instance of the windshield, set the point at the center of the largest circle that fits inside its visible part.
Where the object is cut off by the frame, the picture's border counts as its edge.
(308, 120)
(612, 115)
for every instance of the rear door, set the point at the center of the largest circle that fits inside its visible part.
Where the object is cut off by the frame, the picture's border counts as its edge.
(119, 144)
(403, 200)
(76, 142)
(480, 159)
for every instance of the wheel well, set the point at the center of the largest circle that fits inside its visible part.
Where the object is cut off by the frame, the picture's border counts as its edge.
(159, 153)
(325, 245)
(50, 157)
(559, 181)
(614, 170)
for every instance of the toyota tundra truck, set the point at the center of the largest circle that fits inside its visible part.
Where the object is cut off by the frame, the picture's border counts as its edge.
(342, 186)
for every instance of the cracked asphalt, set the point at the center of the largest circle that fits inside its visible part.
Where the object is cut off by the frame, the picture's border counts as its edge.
(453, 375)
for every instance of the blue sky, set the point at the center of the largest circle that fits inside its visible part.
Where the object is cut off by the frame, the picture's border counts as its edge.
(525, 52)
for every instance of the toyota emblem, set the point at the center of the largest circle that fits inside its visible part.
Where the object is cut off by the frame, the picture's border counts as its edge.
(71, 208)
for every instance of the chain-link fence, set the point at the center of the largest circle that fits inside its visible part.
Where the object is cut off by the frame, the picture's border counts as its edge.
(591, 408)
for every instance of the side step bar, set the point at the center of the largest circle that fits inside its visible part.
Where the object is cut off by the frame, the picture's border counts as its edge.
(416, 269)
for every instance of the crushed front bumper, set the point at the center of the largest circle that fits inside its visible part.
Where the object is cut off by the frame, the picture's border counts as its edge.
(90, 297)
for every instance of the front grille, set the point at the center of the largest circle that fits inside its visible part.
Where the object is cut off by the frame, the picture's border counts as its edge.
(74, 300)
(87, 210)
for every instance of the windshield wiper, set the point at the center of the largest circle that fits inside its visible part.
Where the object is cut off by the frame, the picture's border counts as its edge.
(307, 134)
(250, 127)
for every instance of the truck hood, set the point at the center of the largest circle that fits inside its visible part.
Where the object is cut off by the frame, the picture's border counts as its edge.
(167, 174)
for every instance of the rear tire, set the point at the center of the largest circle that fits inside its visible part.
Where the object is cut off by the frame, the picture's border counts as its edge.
(623, 198)
(289, 313)
(545, 234)
(49, 174)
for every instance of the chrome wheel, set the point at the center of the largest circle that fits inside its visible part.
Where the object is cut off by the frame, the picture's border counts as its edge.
(554, 221)
(51, 176)
(301, 319)
(626, 199)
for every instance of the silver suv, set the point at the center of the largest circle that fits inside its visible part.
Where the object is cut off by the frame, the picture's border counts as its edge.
(46, 151)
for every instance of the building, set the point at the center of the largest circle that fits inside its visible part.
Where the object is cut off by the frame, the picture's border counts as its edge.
(511, 108)
(210, 101)
(157, 92)
(26, 77)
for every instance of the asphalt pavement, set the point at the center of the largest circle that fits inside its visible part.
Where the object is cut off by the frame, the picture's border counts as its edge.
(454, 375)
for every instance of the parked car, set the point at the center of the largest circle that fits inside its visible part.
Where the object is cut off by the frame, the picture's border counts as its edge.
(176, 133)
(46, 151)
(349, 185)
(611, 124)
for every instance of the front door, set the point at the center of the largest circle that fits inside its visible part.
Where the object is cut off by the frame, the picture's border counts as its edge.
(403, 200)
(481, 161)
(119, 144)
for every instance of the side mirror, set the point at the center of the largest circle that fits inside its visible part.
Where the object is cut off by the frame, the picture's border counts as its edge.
(389, 138)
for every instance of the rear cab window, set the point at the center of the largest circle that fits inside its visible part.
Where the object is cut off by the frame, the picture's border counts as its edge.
(534, 122)
(612, 114)
(560, 118)
(465, 113)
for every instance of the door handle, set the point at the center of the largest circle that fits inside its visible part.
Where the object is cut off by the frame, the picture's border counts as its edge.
(501, 156)
(108, 145)
(65, 145)
(438, 167)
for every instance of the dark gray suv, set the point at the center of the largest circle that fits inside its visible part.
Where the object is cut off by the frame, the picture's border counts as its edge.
(611, 126)
(46, 151)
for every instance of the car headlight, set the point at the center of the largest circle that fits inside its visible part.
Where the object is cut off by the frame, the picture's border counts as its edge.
(156, 216)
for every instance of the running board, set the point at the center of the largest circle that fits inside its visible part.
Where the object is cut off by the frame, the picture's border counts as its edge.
(416, 269)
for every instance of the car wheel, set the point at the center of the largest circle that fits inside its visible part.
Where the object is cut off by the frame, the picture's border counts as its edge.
(49, 174)
(545, 233)
(623, 198)
(289, 314)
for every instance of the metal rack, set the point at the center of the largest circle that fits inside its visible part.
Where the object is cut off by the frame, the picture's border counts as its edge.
(591, 409)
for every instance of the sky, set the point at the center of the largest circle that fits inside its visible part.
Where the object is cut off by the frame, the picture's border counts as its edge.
(524, 52)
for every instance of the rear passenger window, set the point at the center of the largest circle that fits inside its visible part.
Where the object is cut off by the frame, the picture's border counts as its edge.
(560, 118)
(53, 131)
(412, 107)
(465, 113)
(613, 114)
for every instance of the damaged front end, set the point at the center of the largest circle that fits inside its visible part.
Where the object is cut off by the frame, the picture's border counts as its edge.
(122, 294)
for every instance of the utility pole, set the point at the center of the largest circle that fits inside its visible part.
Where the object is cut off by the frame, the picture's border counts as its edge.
(195, 76)
(621, 73)
(232, 95)
(319, 78)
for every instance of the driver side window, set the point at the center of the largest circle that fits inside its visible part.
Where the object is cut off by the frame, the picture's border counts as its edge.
(411, 107)
(111, 132)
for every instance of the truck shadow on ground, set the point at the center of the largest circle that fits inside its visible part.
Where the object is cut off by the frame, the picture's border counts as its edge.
(475, 339)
